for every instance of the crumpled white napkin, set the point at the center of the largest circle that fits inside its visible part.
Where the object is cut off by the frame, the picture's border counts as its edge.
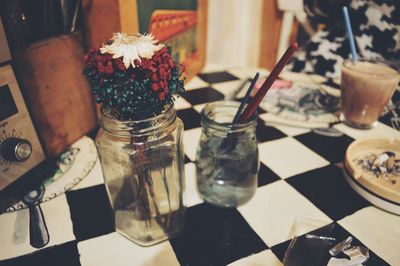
(357, 255)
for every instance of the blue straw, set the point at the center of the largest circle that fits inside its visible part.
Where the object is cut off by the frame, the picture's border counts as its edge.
(245, 99)
(228, 143)
(350, 33)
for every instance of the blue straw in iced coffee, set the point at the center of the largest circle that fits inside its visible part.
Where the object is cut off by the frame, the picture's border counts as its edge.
(350, 33)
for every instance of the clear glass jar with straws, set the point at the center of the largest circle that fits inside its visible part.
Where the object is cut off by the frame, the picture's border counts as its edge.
(227, 160)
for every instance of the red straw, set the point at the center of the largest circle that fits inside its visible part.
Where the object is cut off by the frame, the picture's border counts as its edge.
(255, 102)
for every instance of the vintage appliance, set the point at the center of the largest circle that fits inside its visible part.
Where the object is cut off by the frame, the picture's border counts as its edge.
(20, 149)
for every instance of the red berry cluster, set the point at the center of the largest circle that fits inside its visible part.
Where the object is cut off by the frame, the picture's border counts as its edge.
(102, 64)
(157, 69)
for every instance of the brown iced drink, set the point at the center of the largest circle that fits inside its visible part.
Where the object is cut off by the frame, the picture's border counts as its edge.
(366, 89)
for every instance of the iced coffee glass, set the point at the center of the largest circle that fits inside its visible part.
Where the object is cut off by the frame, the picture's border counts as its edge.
(367, 87)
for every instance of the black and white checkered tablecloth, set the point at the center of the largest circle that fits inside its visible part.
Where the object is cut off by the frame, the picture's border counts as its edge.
(300, 176)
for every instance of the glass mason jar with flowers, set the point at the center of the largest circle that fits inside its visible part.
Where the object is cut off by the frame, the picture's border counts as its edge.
(134, 79)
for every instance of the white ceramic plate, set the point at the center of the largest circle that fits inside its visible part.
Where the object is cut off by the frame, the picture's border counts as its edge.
(370, 196)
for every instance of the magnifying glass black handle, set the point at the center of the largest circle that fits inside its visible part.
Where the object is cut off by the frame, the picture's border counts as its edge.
(39, 235)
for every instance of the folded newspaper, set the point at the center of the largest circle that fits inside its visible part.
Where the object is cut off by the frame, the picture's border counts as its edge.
(301, 103)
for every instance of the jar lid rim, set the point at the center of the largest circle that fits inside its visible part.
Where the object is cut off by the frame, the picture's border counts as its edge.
(106, 113)
(137, 127)
(206, 111)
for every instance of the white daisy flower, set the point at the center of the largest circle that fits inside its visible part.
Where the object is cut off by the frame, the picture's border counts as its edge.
(131, 47)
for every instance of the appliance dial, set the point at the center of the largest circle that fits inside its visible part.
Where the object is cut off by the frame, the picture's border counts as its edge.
(16, 149)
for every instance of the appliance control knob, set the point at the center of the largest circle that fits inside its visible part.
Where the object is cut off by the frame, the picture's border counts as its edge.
(16, 149)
